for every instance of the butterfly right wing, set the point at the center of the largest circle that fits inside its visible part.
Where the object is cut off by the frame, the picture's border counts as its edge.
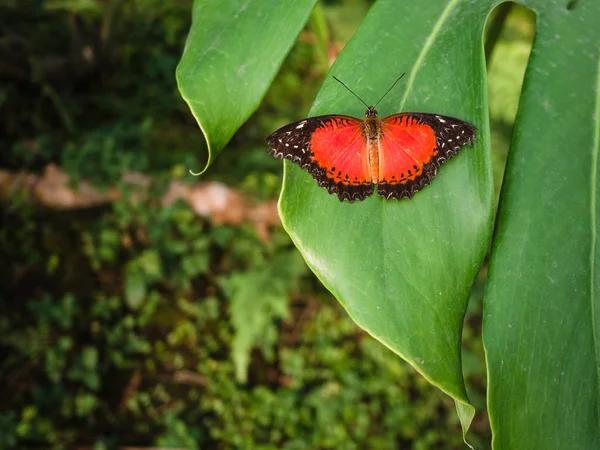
(332, 148)
(412, 147)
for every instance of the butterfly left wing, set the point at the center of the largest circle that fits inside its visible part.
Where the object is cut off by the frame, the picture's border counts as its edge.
(412, 147)
(333, 150)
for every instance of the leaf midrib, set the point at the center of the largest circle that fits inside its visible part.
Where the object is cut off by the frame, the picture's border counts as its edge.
(428, 43)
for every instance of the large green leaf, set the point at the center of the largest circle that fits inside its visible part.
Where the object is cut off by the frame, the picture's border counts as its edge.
(403, 269)
(232, 54)
(541, 311)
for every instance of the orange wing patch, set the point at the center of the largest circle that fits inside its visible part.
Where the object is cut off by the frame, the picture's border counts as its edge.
(339, 147)
(405, 147)
(412, 147)
(332, 149)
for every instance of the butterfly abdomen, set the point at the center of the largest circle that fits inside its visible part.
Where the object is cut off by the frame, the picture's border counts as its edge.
(373, 132)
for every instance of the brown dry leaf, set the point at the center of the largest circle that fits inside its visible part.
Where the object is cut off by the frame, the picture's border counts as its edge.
(214, 201)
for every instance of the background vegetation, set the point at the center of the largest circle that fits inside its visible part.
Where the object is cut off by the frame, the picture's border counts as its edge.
(139, 322)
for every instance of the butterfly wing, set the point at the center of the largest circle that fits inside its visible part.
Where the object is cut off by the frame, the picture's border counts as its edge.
(333, 149)
(412, 147)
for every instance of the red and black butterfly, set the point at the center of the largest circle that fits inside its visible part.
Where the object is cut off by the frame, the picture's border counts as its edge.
(347, 156)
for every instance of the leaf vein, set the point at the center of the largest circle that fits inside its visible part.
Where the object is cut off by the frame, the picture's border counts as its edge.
(428, 43)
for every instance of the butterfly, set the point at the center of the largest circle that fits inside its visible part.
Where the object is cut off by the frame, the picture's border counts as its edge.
(347, 156)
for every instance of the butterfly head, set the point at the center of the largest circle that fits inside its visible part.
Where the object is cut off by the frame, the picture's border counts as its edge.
(370, 112)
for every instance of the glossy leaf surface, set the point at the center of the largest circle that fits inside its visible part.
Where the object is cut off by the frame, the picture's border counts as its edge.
(232, 54)
(542, 308)
(403, 269)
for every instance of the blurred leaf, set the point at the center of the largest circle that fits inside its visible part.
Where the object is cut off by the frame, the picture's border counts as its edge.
(176, 434)
(232, 54)
(150, 265)
(85, 404)
(258, 298)
(135, 289)
(542, 299)
(72, 5)
(89, 358)
(146, 268)
(8, 430)
(85, 368)
(506, 77)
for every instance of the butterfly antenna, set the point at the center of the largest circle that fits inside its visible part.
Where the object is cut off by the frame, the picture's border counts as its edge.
(388, 91)
(339, 81)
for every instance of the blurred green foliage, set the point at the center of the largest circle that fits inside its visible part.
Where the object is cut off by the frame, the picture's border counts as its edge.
(139, 324)
(506, 69)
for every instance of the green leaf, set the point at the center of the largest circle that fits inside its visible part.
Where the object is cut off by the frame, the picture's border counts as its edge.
(403, 269)
(141, 271)
(135, 289)
(85, 368)
(258, 297)
(85, 404)
(233, 52)
(149, 263)
(542, 302)
(176, 434)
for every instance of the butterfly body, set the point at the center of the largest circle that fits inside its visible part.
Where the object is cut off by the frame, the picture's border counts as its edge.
(372, 131)
(400, 154)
